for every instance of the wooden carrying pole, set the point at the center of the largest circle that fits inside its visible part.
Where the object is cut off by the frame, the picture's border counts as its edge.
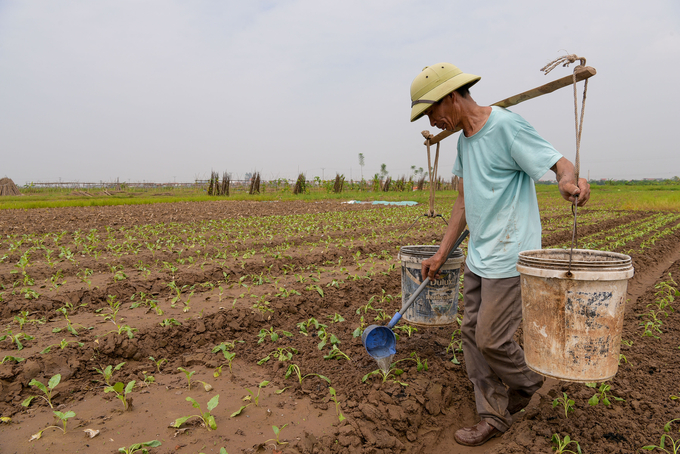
(581, 73)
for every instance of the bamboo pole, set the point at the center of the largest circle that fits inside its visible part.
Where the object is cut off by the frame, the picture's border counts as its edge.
(582, 73)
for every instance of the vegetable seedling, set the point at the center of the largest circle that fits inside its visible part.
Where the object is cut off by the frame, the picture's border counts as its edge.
(158, 363)
(304, 326)
(207, 419)
(140, 447)
(334, 398)
(63, 417)
(122, 392)
(420, 365)
(295, 368)
(408, 329)
(188, 375)
(277, 433)
(562, 445)
(601, 394)
(566, 402)
(108, 371)
(47, 390)
(16, 338)
(336, 353)
(665, 438)
(325, 338)
(391, 374)
(272, 333)
(253, 398)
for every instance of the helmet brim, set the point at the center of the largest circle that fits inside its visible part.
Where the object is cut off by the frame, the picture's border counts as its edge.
(441, 90)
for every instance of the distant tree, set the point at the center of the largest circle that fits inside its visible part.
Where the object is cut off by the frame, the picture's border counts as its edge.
(361, 163)
(383, 171)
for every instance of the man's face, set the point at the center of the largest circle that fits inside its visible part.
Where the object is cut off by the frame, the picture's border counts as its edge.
(442, 114)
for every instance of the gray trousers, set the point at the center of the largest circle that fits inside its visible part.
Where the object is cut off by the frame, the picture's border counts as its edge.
(493, 312)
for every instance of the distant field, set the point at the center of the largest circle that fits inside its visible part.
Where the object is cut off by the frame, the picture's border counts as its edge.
(661, 196)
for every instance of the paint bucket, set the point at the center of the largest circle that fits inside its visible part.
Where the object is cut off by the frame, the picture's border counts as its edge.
(573, 321)
(437, 305)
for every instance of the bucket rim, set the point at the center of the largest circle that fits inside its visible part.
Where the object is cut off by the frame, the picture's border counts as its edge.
(426, 251)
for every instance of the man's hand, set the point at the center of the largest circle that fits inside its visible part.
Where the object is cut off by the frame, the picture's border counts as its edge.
(430, 267)
(569, 190)
(566, 182)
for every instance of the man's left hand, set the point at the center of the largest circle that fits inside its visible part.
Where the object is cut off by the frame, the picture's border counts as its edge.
(569, 190)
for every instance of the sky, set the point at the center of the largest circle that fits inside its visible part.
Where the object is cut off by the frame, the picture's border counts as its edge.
(162, 91)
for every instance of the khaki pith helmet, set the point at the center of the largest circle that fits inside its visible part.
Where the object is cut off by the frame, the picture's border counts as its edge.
(435, 82)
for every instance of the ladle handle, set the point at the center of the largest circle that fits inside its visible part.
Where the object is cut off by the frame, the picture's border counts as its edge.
(410, 301)
(413, 297)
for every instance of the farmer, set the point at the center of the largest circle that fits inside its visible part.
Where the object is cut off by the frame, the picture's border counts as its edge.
(500, 155)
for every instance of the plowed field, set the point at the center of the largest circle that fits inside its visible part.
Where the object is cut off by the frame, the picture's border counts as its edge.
(236, 293)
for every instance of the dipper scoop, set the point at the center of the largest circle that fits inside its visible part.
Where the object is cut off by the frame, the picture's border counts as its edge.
(380, 341)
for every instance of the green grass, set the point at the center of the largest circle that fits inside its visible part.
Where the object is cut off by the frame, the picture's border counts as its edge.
(658, 196)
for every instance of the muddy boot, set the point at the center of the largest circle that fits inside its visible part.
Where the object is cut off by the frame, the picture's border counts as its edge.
(476, 435)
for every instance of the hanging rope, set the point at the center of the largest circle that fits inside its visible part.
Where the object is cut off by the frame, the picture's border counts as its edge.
(578, 125)
(432, 170)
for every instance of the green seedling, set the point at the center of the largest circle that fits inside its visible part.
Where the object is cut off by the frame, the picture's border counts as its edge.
(601, 394)
(16, 359)
(188, 375)
(63, 417)
(170, 322)
(108, 371)
(390, 374)
(272, 333)
(62, 345)
(318, 289)
(84, 275)
(336, 353)
(294, 368)
(337, 318)
(566, 402)
(562, 445)
(408, 329)
(360, 329)
(158, 363)
(148, 379)
(326, 338)
(224, 347)
(666, 439)
(285, 293)
(23, 318)
(16, 338)
(147, 300)
(456, 342)
(334, 398)
(140, 447)
(122, 392)
(305, 325)
(70, 326)
(47, 390)
(206, 418)
(281, 354)
(421, 365)
(277, 432)
(252, 397)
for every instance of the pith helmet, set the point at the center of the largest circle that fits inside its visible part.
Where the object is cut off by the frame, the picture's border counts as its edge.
(435, 82)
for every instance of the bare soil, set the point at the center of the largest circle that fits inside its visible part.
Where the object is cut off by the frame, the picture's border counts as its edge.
(380, 417)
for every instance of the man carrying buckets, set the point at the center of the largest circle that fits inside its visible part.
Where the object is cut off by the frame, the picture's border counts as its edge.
(500, 155)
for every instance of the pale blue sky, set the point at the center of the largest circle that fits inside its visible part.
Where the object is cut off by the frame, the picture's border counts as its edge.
(163, 90)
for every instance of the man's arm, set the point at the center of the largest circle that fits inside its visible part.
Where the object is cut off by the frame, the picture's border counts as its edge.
(457, 223)
(566, 182)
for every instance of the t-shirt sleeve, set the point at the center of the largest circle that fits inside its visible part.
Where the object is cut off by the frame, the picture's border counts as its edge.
(533, 153)
(458, 165)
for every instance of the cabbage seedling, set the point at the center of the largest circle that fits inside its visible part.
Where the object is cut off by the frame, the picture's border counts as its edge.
(672, 443)
(391, 374)
(566, 402)
(16, 338)
(334, 398)
(295, 368)
(336, 353)
(253, 398)
(122, 392)
(281, 354)
(272, 333)
(47, 390)
(63, 417)
(140, 447)
(207, 419)
(562, 445)
(188, 375)
(277, 432)
(325, 338)
(304, 326)
(601, 394)
(16, 359)
(108, 371)
(158, 363)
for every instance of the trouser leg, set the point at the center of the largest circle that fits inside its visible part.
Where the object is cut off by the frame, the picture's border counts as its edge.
(493, 312)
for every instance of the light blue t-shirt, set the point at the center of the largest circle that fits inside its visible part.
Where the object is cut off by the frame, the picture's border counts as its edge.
(498, 165)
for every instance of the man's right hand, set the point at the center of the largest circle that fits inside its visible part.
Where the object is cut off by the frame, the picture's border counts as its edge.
(430, 267)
